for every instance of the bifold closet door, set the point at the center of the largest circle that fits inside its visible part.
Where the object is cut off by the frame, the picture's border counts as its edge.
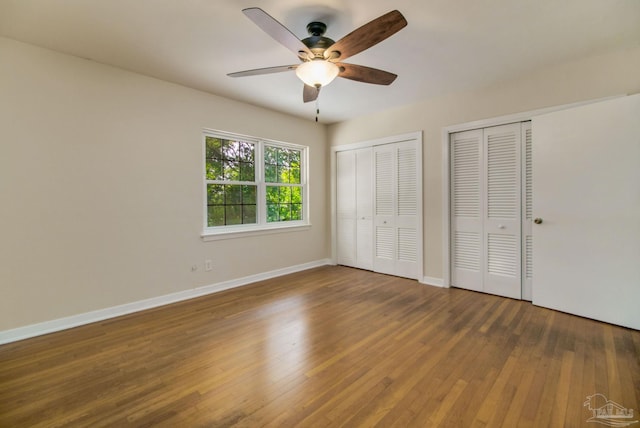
(354, 208)
(467, 255)
(396, 209)
(486, 210)
(502, 217)
(346, 207)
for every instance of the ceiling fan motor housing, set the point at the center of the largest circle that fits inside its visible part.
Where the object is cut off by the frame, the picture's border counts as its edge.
(316, 42)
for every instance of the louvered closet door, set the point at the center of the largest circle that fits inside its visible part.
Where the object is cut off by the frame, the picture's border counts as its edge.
(396, 210)
(527, 213)
(485, 210)
(384, 209)
(502, 222)
(467, 257)
(346, 208)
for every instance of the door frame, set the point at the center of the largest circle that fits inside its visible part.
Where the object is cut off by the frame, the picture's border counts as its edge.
(446, 170)
(417, 136)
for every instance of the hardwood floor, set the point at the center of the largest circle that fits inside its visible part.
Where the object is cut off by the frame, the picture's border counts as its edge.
(332, 346)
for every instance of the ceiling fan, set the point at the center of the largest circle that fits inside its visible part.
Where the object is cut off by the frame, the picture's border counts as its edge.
(321, 57)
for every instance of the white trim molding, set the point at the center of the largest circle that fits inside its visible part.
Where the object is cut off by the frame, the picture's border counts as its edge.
(20, 333)
(435, 282)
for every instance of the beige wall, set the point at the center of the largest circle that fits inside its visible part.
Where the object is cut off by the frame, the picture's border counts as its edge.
(101, 187)
(613, 74)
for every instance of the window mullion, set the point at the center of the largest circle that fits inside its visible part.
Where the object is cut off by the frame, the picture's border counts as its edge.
(262, 191)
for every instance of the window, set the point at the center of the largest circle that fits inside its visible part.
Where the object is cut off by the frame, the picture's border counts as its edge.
(253, 184)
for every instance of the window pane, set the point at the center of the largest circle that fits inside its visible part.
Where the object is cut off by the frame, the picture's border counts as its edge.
(247, 171)
(232, 195)
(283, 174)
(296, 211)
(282, 165)
(272, 212)
(285, 195)
(233, 214)
(249, 195)
(213, 148)
(214, 169)
(248, 214)
(270, 173)
(283, 157)
(246, 152)
(231, 204)
(215, 216)
(270, 155)
(230, 150)
(236, 160)
(272, 194)
(295, 158)
(284, 203)
(284, 211)
(295, 176)
(215, 194)
(296, 195)
(231, 170)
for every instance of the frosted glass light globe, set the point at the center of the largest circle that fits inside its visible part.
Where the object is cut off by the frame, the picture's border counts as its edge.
(317, 72)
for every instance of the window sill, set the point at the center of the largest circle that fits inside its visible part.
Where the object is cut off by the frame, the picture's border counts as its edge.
(207, 236)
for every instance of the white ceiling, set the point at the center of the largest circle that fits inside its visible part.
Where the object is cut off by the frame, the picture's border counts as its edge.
(448, 45)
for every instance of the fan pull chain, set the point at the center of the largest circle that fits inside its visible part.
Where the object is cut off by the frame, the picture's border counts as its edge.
(317, 109)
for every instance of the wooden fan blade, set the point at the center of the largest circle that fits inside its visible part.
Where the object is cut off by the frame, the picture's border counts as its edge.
(366, 36)
(310, 93)
(364, 74)
(267, 70)
(279, 32)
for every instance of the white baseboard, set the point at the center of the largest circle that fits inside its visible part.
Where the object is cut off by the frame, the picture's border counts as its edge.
(436, 282)
(46, 327)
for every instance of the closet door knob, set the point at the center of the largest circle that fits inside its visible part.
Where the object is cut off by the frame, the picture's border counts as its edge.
(537, 220)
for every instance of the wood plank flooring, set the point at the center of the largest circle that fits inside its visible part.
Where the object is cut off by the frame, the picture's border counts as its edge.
(327, 347)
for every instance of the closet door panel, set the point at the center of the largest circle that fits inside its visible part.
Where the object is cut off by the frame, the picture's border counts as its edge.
(527, 213)
(502, 220)
(466, 210)
(406, 161)
(364, 208)
(384, 210)
(346, 208)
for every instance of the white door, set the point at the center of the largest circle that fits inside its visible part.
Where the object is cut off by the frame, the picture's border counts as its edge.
(467, 257)
(354, 208)
(587, 195)
(502, 221)
(397, 209)
(346, 222)
(364, 208)
(486, 210)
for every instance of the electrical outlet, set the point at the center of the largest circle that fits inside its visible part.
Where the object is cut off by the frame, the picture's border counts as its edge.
(208, 265)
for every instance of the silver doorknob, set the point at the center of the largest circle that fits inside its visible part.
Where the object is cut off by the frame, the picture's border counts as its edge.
(537, 220)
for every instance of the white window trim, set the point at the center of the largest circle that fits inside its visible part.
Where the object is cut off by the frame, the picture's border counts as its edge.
(261, 227)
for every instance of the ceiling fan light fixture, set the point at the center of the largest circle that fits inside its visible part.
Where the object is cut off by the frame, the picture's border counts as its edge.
(317, 72)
